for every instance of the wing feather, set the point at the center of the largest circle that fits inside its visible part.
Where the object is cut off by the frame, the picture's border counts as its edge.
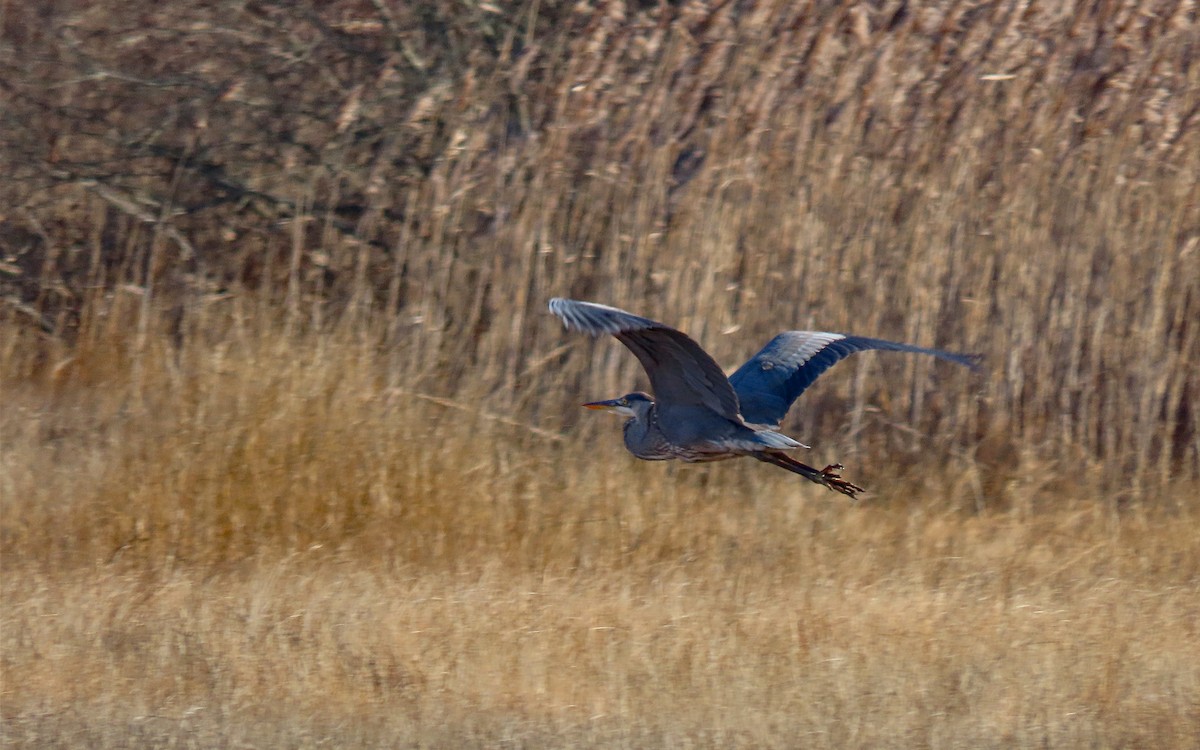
(772, 379)
(681, 372)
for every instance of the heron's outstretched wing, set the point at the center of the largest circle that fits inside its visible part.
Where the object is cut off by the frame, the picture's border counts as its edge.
(772, 379)
(681, 373)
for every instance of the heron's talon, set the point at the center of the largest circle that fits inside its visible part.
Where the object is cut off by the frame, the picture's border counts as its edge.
(831, 478)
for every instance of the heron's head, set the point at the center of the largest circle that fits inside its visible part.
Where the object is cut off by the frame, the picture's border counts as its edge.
(631, 405)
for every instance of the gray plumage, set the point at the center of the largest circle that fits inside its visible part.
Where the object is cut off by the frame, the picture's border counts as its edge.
(699, 414)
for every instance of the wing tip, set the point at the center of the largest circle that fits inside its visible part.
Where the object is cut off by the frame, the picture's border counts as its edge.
(597, 319)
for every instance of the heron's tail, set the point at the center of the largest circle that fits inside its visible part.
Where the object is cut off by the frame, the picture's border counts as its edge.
(830, 476)
(776, 440)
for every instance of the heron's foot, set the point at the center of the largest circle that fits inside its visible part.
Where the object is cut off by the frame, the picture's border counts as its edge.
(831, 477)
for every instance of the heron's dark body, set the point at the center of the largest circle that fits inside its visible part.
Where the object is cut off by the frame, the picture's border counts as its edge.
(646, 439)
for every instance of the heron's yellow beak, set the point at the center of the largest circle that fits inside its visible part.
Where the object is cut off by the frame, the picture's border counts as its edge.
(618, 406)
(601, 405)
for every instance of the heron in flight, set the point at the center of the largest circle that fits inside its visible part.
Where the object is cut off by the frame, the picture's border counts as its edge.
(698, 414)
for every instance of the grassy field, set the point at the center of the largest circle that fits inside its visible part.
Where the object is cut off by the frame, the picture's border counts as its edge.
(265, 543)
(291, 452)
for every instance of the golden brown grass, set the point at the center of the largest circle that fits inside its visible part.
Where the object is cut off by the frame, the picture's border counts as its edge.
(290, 452)
(259, 540)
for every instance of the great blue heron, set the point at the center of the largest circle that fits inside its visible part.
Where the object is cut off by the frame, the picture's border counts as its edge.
(698, 414)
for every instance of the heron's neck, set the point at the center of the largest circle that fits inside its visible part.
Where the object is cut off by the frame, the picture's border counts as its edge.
(641, 430)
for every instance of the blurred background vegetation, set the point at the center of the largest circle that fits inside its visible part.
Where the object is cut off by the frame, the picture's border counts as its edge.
(1009, 179)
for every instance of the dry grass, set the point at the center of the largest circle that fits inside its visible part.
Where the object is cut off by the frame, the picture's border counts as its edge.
(321, 648)
(289, 448)
(259, 541)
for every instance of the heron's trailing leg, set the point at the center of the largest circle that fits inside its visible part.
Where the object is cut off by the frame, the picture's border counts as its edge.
(830, 476)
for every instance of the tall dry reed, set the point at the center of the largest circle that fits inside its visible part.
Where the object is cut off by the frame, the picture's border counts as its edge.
(1017, 181)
